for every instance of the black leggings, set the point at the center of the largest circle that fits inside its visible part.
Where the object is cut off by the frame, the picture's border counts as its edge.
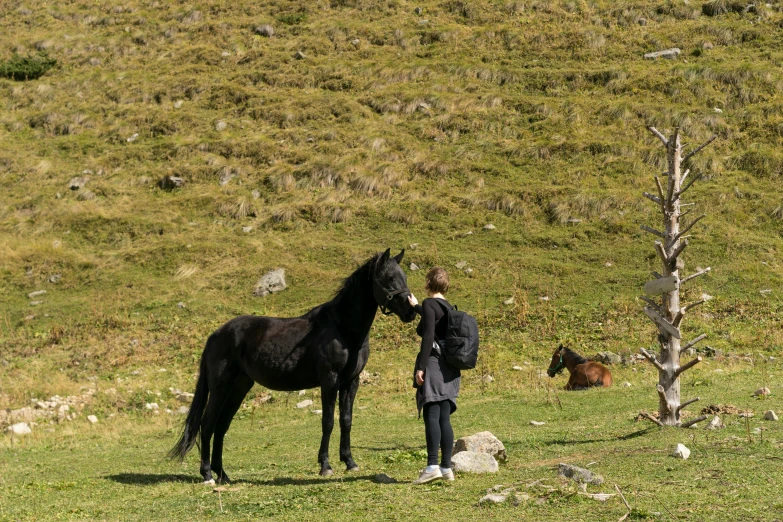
(437, 429)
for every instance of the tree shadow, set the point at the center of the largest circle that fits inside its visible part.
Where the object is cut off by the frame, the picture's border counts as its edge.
(635, 434)
(292, 481)
(143, 479)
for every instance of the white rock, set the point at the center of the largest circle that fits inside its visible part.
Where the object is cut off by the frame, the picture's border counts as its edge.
(414, 267)
(220, 126)
(35, 294)
(461, 264)
(302, 392)
(537, 423)
(489, 226)
(509, 301)
(317, 412)
(715, 424)
(20, 428)
(488, 379)
(304, 404)
(544, 298)
(483, 442)
(667, 53)
(92, 418)
(133, 138)
(626, 384)
(770, 415)
(472, 462)
(706, 297)
(718, 110)
(270, 283)
(601, 497)
(762, 392)
(681, 452)
(493, 498)
(183, 410)
(151, 405)
(517, 368)
(247, 230)
(178, 104)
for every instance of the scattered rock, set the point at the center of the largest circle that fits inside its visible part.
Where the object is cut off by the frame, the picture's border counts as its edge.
(317, 412)
(221, 126)
(483, 442)
(355, 42)
(544, 298)
(718, 110)
(580, 475)
(607, 358)
(35, 303)
(626, 384)
(256, 194)
(487, 379)
(92, 418)
(265, 30)
(77, 183)
(762, 392)
(304, 404)
(707, 45)
(304, 392)
(715, 424)
(681, 452)
(669, 54)
(181, 305)
(461, 264)
(170, 182)
(418, 10)
(746, 415)
(37, 293)
(86, 195)
(270, 283)
(182, 410)
(706, 296)
(20, 428)
(493, 498)
(178, 104)
(413, 246)
(185, 397)
(423, 22)
(601, 497)
(300, 55)
(151, 405)
(55, 278)
(770, 415)
(132, 138)
(383, 478)
(472, 462)
(509, 301)
(607, 264)
(247, 229)
(517, 368)
(642, 21)
(368, 378)
(537, 423)
(414, 266)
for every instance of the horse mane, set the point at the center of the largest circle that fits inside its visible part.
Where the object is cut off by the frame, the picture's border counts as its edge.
(360, 275)
(575, 356)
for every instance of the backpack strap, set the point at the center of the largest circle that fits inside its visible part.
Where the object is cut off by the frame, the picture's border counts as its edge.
(446, 310)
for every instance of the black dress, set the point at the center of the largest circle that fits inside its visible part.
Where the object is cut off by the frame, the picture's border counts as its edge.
(441, 381)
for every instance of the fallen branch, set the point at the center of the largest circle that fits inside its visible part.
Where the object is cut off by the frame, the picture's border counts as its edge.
(651, 418)
(694, 421)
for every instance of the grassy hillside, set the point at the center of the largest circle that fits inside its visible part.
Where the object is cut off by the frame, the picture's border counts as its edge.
(389, 128)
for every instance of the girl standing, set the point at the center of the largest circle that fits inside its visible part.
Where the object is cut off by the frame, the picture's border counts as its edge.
(436, 383)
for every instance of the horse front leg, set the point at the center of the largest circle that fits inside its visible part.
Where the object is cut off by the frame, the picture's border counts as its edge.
(329, 392)
(347, 396)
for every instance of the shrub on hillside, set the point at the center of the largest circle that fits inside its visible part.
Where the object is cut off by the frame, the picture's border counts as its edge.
(23, 68)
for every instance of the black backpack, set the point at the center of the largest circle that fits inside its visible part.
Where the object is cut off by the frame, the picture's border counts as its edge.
(460, 347)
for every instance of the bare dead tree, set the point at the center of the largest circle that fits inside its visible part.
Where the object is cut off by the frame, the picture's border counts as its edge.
(668, 313)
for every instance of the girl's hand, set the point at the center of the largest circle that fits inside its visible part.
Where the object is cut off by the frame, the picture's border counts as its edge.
(420, 377)
(412, 300)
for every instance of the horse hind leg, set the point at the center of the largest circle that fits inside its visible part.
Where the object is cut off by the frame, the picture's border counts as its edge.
(347, 397)
(232, 403)
(328, 399)
(220, 386)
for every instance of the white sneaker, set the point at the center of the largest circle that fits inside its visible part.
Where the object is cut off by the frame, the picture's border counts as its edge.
(428, 476)
(449, 475)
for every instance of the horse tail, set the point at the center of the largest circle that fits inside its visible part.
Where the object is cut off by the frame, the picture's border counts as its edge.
(193, 420)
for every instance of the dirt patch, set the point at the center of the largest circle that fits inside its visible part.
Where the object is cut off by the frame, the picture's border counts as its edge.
(723, 409)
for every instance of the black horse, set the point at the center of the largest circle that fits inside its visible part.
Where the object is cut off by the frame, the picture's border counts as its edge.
(327, 347)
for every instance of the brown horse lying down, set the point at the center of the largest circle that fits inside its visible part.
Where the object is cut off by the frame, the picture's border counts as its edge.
(584, 373)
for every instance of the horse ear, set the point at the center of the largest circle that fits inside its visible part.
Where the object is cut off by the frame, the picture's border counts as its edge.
(383, 259)
(398, 257)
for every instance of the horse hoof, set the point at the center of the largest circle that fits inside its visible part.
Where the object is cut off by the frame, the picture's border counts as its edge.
(210, 482)
(327, 472)
(224, 479)
(352, 469)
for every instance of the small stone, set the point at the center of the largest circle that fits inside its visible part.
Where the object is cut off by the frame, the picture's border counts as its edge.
(607, 264)
(756, 431)
(383, 478)
(181, 305)
(707, 45)
(509, 301)
(488, 379)
(746, 415)
(517, 368)
(715, 424)
(225, 53)
(493, 498)
(413, 246)
(77, 183)
(299, 55)
(607, 358)
(461, 264)
(132, 138)
(669, 54)
(642, 21)
(765, 291)
(317, 412)
(423, 22)
(302, 392)
(20, 429)
(151, 405)
(178, 104)
(86, 195)
(37, 293)
(247, 230)
(601, 497)
(55, 278)
(706, 297)
(92, 418)
(256, 194)
(220, 126)
(185, 397)
(171, 182)
(580, 475)
(418, 10)
(265, 30)
(414, 267)
(472, 462)
(762, 392)
(681, 452)
(270, 283)
(718, 110)
(355, 42)
(468, 270)
(626, 384)
(770, 415)
(537, 423)
(544, 298)
(182, 410)
(304, 404)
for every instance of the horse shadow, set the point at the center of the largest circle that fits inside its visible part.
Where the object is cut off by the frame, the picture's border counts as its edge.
(147, 479)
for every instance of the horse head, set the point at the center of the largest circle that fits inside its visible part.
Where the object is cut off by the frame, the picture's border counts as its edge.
(557, 364)
(390, 287)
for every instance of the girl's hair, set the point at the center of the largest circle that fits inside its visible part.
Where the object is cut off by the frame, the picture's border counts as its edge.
(437, 280)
